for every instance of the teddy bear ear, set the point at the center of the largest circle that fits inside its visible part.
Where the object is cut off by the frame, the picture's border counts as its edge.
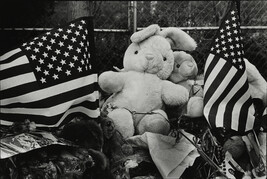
(179, 39)
(145, 33)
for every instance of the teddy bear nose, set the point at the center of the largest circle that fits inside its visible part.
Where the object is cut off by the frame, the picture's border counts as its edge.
(149, 57)
(190, 64)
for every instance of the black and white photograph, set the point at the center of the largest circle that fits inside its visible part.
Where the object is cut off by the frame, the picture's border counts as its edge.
(133, 89)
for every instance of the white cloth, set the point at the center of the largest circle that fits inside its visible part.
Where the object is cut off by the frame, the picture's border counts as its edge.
(170, 157)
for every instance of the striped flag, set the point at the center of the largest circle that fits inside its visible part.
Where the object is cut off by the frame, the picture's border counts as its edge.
(227, 99)
(50, 77)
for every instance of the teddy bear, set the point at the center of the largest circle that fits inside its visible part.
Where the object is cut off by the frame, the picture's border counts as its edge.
(185, 73)
(140, 91)
(184, 68)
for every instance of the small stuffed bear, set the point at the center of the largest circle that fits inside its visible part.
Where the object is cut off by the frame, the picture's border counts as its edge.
(140, 90)
(185, 67)
(185, 73)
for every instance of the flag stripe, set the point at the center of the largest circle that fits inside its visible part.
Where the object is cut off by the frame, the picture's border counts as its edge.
(94, 105)
(237, 122)
(17, 80)
(217, 94)
(18, 90)
(244, 108)
(51, 91)
(222, 107)
(208, 61)
(218, 78)
(215, 68)
(12, 72)
(51, 111)
(52, 121)
(214, 112)
(230, 106)
(11, 56)
(80, 109)
(50, 101)
(19, 61)
(85, 110)
(212, 64)
(8, 119)
(246, 124)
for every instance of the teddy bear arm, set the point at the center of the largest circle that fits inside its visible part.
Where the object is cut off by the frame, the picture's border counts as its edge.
(111, 82)
(174, 94)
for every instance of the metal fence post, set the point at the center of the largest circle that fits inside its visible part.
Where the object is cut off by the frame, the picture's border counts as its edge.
(129, 14)
(134, 16)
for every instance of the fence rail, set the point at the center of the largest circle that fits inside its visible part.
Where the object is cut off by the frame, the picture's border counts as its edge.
(138, 28)
(48, 29)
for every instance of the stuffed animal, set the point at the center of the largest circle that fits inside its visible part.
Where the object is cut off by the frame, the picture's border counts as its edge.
(115, 147)
(185, 73)
(140, 90)
(87, 134)
(185, 67)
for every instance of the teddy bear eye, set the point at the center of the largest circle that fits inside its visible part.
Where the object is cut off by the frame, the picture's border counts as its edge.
(177, 65)
(164, 59)
(136, 52)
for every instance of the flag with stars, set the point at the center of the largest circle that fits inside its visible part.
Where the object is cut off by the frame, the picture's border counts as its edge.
(227, 100)
(50, 77)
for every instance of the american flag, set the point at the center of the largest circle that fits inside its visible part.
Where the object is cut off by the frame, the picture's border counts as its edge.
(227, 100)
(50, 77)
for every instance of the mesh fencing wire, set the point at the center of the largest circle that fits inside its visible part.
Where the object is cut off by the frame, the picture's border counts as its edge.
(113, 21)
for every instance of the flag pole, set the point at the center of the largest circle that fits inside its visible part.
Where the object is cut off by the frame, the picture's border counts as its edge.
(205, 156)
(237, 3)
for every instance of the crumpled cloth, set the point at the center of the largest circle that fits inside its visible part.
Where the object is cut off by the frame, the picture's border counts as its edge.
(170, 156)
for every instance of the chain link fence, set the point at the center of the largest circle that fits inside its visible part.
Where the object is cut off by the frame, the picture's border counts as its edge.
(115, 21)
